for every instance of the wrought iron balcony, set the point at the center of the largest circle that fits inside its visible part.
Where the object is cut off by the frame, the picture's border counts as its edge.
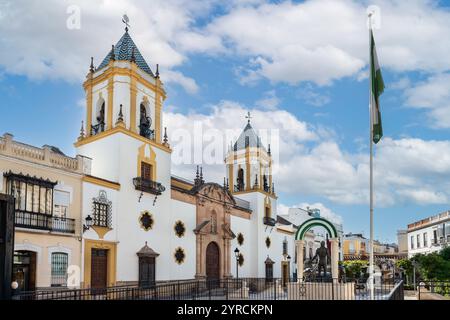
(149, 186)
(41, 221)
(269, 221)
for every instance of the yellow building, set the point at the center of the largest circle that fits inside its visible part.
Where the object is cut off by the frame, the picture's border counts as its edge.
(46, 186)
(355, 245)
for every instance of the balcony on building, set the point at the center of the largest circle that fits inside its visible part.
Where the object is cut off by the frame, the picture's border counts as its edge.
(47, 222)
(148, 185)
(34, 204)
(269, 221)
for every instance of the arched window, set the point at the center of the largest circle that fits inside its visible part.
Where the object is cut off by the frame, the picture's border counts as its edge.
(265, 183)
(145, 122)
(59, 269)
(240, 180)
(99, 125)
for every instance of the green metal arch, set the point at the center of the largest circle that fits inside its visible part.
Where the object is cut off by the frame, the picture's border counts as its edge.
(315, 222)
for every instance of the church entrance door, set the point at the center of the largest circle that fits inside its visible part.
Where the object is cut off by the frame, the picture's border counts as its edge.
(212, 264)
(99, 269)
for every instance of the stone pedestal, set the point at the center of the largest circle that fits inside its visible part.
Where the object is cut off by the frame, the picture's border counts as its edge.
(334, 258)
(299, 244)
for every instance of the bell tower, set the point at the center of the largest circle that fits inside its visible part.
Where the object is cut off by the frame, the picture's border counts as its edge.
(124, 101)
(123, 94)
(249, 164)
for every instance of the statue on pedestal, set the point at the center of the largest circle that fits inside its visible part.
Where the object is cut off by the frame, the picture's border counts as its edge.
(324, 258)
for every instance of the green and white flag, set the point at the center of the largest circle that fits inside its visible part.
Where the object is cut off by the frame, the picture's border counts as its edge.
(377, 88)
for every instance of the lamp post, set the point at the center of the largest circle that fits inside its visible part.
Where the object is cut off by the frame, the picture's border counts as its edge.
(236, 254)
(288, 258)
(89, 223)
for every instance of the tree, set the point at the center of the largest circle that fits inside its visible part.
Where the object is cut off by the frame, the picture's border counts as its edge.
(434, 266)
(407, 266)
(354, 268)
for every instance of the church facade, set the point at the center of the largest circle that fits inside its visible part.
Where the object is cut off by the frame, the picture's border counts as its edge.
(148, 225)
(127, 218)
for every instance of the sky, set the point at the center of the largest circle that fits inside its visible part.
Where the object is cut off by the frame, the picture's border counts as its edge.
(299, 67)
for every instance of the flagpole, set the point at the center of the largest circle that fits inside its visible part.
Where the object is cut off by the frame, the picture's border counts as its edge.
(371, 266)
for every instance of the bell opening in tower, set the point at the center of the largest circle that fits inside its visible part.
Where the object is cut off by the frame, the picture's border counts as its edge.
(145, 123)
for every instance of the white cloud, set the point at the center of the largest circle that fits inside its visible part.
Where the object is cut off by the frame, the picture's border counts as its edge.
(311, 162)
(187, 83)
(325, 40)
(325, 212)
(316, 40)
(433, 95)
(40, 46)
(312, 96)
(270, 101)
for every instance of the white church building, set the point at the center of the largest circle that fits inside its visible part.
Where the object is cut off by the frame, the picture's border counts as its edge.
(140, 223)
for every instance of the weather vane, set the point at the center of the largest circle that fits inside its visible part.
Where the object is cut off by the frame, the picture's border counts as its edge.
(248, 116)
(125, 20)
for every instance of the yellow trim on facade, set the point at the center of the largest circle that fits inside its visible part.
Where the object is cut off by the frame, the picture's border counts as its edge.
(133, 98)
(111, 267)
(285, 231)
(267, 205)
(101, 182)
(230, 177)
(273, 196)
(114, 130)
(118, 71)
(182, 185)
(270, 174)
(253, 153)
(110, 102)
(88, 89)
(158, 107)
(101, 231)
(150, 160)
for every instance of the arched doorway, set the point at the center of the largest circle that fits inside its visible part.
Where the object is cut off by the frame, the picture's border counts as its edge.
(212, 263)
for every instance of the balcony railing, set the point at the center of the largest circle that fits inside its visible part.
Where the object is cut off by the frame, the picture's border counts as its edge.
(149, 186)
(41, 221)
(97, 128)
(268, 221)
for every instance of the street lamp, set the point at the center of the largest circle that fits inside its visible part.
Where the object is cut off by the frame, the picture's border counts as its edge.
(89, 223)
(236, 254)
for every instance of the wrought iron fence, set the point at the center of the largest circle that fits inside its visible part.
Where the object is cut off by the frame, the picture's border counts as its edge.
(433, 290)
(228, 289)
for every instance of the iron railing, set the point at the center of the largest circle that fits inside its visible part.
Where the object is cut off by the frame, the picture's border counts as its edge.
(433, 290)
(227, 289)
(97, 128)
(41, 221)
(269, 221)
(397, 293)
(147, 185)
